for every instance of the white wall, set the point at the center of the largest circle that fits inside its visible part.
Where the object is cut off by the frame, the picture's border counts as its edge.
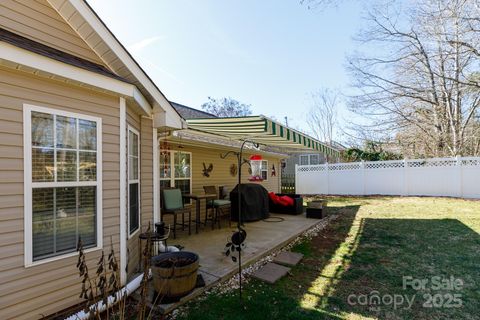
(453, 177)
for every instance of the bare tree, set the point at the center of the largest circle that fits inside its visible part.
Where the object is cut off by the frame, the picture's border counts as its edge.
(329, 4)
(322, 118)
(417, 80)
(322, 4)
(226, 107)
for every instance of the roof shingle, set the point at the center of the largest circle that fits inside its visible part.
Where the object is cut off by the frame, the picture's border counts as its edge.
(190, 113)
(49, 52)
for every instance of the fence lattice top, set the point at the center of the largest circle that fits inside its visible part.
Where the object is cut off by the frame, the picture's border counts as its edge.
(394, 164)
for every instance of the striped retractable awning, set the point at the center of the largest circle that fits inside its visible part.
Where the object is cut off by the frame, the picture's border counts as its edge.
(262, 130)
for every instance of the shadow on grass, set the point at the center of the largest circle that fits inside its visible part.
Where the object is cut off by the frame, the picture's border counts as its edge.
(360, 256)
(281, 301)
(390, 249)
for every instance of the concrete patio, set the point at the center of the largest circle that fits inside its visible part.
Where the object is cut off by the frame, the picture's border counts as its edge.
(262, 238)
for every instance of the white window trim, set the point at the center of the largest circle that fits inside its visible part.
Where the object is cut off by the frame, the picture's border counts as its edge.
(135, 131)
(172, 169)
(262, 169)
(309, 156)
(28, 184)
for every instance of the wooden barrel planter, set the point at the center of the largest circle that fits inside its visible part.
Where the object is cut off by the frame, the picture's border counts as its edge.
(175, 273)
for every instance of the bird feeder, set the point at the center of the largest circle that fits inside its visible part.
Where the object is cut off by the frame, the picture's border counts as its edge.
(256, 166)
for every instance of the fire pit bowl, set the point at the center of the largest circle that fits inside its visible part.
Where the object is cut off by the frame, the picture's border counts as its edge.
(175, 273)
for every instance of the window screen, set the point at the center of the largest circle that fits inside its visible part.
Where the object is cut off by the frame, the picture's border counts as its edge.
(64, 183)
(264, 170)
(133, 182)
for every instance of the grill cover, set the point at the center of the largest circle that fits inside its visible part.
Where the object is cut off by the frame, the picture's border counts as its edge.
(254, 199)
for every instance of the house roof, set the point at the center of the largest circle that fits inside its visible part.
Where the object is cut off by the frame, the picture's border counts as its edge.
(337, 145)
(49, 52)
(191, 113)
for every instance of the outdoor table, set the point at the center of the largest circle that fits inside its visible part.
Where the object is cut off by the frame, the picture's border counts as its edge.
(198, 198)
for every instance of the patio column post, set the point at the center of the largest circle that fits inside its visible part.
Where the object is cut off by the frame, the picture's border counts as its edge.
(156, 177)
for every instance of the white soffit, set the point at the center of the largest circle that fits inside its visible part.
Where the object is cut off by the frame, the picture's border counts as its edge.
(21, 59)
(81, 17)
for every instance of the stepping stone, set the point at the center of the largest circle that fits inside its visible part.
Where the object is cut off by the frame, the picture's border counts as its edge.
(288, 258)
(271, 272)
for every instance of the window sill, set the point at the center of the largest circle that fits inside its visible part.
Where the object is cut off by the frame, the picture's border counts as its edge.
(130, 236)
(63, 256)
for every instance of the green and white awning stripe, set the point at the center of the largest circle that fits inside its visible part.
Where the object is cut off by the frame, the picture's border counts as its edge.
(262, 130)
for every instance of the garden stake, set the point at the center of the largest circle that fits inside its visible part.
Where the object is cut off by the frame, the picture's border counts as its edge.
(238, 238)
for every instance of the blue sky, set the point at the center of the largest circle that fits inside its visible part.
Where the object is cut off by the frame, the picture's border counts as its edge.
(270, 54)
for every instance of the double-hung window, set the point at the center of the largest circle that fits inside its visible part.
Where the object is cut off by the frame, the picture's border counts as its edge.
(63, 173)
(309, 159)
(133, 181)
(175, 170)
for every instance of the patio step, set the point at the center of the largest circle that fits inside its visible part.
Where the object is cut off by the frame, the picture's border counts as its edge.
(271, 272)
(288, 258)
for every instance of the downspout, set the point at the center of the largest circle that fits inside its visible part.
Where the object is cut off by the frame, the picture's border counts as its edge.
(123, 191)
(113, 299)
(159, 200)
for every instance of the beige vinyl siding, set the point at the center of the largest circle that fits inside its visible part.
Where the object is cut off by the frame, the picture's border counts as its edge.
(37, 20)
(220, 175)
(133, 120)
(26, 293)
(144, 126)
(146, 184)
(146, 171)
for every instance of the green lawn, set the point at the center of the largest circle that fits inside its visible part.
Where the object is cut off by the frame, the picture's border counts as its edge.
(366, 253)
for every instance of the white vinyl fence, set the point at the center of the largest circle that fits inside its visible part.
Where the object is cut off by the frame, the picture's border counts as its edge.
(451, 177)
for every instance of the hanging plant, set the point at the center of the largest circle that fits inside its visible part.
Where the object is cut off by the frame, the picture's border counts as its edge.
(165, 158)
(164, 145)
(165, 161)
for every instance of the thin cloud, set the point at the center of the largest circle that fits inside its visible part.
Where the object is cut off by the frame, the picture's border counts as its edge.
(161, 70)
(229, 45)
(142, 44)
(136, 50)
